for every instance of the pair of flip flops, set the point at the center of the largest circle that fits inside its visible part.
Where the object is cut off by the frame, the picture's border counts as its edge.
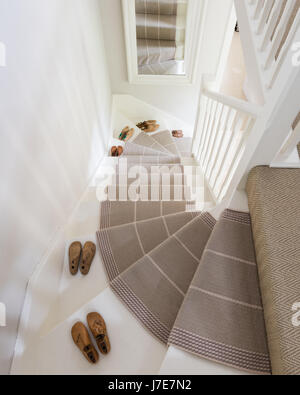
(116, 151)
(126, 134)
(81, 257)
(82, 339)
(177, 134)
(148, 126)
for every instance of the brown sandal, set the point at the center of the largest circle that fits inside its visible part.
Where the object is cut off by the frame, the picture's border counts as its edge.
(98, 328)
(124, 132)
(129, 134)
(114, 151)
(88, 254)
(145, 124)
(75, 251)
(151, 128)
(177, 134)
(83, 341)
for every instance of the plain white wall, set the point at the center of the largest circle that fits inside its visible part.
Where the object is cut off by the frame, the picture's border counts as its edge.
(180, 101)
(55, 125)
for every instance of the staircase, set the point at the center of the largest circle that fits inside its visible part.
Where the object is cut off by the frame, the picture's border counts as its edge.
(47, 319)
(168, 332)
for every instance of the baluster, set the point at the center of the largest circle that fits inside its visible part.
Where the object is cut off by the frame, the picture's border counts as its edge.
(265, 15)
(239, 121)
(280, 32)
(284, 51)
(204, 131)
(236, 155)
(220, 139)
(216, 133)
(209, 127)
(229, 130)
(200, 125)
(212, 135)
(259, 7)
(272, 24)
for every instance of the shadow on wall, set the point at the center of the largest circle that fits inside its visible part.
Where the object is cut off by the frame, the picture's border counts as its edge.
(55, 119)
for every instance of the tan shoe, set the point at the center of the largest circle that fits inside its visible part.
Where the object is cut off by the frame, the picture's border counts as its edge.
(129, 135)
(120, 150)
(75, 251)
(114, 151)
(83, 341)
(124, 133)
(144, 125)
(97, 326)
(151, 128)
(87, 256)
(177, 133)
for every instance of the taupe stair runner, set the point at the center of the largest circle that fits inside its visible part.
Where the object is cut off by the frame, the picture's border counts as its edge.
(133, 149)
(156, 31)
(121, 213)
(214, 289)
(222, 316)
(162, 142)
(138, 238)
(154, 287)
(274, 201)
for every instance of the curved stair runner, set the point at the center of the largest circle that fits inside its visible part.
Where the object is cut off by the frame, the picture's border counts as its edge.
(42, 354)
(198, 289)
(156, 273)
(190, 281)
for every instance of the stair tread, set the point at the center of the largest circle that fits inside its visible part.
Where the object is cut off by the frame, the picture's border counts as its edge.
(138, 238)
(121, 213)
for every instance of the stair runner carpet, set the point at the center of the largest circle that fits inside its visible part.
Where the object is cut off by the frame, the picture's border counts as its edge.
(162, 142)
(156, 31)
(274, 202)
(193, 282)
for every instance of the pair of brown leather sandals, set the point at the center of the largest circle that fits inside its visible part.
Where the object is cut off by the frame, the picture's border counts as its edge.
(126, 134)
(81, 257)
(116, 151)
(177, 134)
(82, 339)
(148, 126)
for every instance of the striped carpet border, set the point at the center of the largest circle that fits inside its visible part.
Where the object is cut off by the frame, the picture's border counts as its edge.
(222, 353)
(107, 255)
(138, 309)
(105, 214)
(237, 216)
(208, 219)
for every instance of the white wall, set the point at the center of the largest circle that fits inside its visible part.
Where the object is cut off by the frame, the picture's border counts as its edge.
(55, 115)
(180, 101)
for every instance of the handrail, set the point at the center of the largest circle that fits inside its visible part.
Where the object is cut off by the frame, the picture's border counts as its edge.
(237, 104)
(223, 127)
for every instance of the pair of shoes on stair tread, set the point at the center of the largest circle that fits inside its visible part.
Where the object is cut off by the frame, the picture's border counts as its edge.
(117, 151)
(82, 339)
(81, 257)
(148, 126)
(126, 134)
(177, 134)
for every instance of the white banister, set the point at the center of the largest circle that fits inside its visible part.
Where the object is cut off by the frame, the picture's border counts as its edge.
(224, 125)
(268, 29)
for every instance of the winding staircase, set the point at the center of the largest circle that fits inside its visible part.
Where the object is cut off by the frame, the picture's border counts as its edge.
(209, 271)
